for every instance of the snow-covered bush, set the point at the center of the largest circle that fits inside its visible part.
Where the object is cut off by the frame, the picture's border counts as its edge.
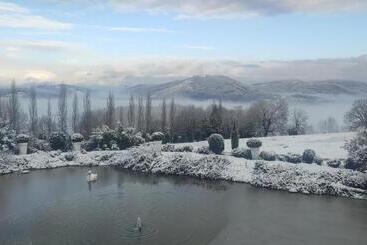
(357, 151)
(76, 137)
(308, 156)
(168, 148)
(242, 152)
(184, 148)
(318, 160)
(254, 143)
(59, 141)
(166, 139)
(268, 155)
(69, 156)
(22, 138)
(216, 143)
(157, 136)
(113, 139)
(35, 145)
(290, 157)
(136, 140)
(203, 150)
(334, 163)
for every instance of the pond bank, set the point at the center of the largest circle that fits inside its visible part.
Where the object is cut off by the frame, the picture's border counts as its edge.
(303, 178)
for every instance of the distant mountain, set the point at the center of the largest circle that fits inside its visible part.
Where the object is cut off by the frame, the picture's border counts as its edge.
(209, 87)
(202, 88)
(328, 87)
(215, 87)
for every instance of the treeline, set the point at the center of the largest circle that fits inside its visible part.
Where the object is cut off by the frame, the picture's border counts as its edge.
(180, 123)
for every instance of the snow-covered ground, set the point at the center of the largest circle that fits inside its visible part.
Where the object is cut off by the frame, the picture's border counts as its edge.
(328, 146)
(302, 177)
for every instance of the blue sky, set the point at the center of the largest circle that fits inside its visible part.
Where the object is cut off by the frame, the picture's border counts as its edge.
(124, 41)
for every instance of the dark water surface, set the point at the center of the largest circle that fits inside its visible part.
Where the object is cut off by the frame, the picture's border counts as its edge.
(59, 207)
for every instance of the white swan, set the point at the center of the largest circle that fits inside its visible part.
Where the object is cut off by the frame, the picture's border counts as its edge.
(91, 177)
(139, 226)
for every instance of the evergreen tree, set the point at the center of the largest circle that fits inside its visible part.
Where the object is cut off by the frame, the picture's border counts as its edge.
(33, 116)
(234, 136)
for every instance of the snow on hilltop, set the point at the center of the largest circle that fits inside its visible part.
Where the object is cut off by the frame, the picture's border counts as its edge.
(148, 158)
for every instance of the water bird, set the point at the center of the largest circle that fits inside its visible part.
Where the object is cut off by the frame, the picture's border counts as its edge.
(91, 176)
(138, 224)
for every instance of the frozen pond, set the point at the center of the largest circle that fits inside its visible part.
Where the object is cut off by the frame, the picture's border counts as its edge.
(59, 207)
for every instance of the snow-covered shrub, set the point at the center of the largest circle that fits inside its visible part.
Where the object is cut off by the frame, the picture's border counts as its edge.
(166, 139)
(242, 152)
(113, 139)
(22, 138)
(137, 139)
(351, 164)
(254, 143)
(268, 155)
(292, 158)
(203, 150)
(59, 141)
(35, 144)
(76, 137)
(318, 160)
(184, 148)
(308, 156)
(69, 156)
(216, 143)
(7, 137)
(168, 148)
(334, 163)
(357, 151)
(157, 136)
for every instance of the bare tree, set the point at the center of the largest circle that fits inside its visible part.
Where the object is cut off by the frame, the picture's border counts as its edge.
(357, 116)
(164, 116)
(63, 109)
(131, 112)
(270, 117)
(110, 111)
(172, 114)
(148, 114)
(298, 122)
(140, 116)
(49, 117)
(329, 125)
(33, 116)
(14, 108)
(75, 115)
(86, 122)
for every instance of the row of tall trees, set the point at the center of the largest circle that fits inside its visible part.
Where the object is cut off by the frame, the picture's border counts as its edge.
(180, 122)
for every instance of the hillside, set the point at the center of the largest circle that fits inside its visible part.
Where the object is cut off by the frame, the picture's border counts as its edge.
(203, 88)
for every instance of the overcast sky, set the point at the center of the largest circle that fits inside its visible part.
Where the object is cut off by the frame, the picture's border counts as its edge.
(160, 40)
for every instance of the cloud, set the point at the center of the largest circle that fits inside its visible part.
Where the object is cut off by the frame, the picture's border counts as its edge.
(15, 16)
(138, 29)
(19, 45)
(39, 75)
(162, 69)
(239, 8)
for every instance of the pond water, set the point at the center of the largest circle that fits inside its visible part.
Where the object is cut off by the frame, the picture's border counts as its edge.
(59, 207)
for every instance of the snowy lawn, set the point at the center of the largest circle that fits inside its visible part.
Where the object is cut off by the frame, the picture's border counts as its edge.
(328, 146)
